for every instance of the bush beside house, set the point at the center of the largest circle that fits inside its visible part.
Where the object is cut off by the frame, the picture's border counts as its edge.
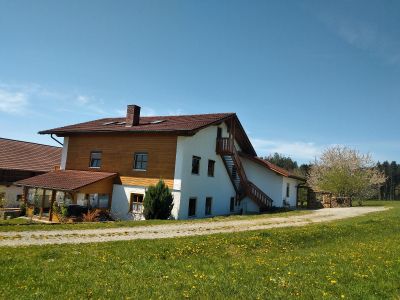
(158, 202)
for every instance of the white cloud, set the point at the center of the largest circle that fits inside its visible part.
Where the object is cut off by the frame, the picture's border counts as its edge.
(15, 97)
(82, 100)
(147, 112)
(176, 112)
(13, 102)
(302, 151)
(364, 35)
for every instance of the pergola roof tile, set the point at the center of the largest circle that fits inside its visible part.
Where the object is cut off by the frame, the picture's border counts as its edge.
(65, 180)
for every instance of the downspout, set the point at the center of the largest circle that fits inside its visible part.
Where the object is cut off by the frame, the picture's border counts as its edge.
(51, 135)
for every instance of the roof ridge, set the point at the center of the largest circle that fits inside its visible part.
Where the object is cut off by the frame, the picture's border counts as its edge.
(169, 116)
(26, 142)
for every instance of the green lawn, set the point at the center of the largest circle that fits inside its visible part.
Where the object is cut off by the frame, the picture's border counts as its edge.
(356, 258)
(24, 224)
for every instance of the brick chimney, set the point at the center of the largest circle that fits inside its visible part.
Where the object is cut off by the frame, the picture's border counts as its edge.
(132, 115)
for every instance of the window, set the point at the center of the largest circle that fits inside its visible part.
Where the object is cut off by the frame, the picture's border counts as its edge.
(237, 202)
(208, 206)
(211, 164)
(95, 159)
(192, 207)
(287, 190)
(195, 165)
(219, 133)
(98, 200)
(140, 162)
(232, 206)
(136, 203)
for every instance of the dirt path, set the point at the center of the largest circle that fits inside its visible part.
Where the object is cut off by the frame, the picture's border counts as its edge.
(27, 238)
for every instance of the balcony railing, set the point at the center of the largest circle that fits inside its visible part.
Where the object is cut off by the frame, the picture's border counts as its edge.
(225, 146)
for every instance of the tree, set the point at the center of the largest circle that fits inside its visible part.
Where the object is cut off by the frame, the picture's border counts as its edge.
(345, 173)
(157, 202)
(389, 191)
(282, 161)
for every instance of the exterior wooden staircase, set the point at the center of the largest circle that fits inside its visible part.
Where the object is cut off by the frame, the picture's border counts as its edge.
(226, 148)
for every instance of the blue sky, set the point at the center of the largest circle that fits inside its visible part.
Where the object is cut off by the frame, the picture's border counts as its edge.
(301, 75)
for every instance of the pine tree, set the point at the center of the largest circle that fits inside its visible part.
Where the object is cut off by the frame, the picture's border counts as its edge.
(158, 202)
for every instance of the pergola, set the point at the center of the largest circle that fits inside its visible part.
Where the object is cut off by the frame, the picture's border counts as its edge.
(70, 182)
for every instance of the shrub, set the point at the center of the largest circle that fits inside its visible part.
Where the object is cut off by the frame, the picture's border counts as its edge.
(61, 211)
(64, 211)
(91, 215)
(36, 203)
(22, 207)
(158, 202)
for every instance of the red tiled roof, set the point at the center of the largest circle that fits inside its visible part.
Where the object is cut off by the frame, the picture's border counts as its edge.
(184, 123)
(64, 180)
(272, 167)
(20, 155)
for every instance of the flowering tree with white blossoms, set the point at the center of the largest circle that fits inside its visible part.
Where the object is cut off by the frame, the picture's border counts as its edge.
(345, 173)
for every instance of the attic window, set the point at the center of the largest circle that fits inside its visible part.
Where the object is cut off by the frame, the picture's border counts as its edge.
(157, 121)
(110, 123)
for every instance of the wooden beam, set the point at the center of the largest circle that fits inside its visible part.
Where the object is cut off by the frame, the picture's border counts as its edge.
(109, 201)
(25, 199)
(42, 204)
(53, 198)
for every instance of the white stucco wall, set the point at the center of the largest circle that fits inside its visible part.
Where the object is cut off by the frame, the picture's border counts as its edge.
(11, 193)
(292, 190)
(268, 181)
(64, 153)
(249, 206)
(121, 198)
(219, 187)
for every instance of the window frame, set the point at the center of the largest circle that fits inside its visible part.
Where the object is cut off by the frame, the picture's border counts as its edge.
(194, 158)
(132, 202)
(287, 189)
(97, 159)
(212, 169)
(208, 208)
(142, 154)
(195, 207)
(232, 204)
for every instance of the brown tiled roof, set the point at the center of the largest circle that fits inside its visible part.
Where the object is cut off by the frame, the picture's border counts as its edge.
(180, 125)
(19, 155)
(184, 123)
(64, 180)
(272, 167)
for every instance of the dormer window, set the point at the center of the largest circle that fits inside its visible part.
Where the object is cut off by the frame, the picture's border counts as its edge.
(95, 159)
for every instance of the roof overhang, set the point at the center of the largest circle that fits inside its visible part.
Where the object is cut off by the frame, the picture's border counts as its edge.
(272, 167)
(65, 180)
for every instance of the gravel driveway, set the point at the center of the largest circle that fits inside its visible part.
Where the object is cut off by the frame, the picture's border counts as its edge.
(27, 238)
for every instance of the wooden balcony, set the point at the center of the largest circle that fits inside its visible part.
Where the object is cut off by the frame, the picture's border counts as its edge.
(225, 146)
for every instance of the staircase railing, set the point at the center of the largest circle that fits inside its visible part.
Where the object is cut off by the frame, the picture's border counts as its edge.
(226, 146)
(258, 195)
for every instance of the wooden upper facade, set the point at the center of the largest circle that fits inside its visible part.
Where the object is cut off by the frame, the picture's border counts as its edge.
(118, 155)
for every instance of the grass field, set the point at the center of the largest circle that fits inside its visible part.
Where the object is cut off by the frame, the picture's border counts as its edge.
(356, 258)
